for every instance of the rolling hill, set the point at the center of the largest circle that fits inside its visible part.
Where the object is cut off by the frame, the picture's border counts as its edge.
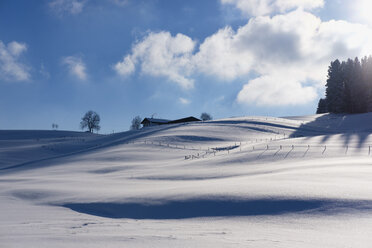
(235, 182)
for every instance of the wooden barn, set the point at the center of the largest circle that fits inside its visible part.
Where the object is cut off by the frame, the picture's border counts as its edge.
(148, 122)
(183, 120)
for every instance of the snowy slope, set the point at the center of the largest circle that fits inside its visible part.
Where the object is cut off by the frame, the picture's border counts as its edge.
(237, 182)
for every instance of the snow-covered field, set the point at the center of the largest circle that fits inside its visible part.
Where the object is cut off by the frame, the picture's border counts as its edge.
(237, 182)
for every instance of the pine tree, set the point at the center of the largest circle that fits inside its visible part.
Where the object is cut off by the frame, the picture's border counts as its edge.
(358, 96)
(349, 87)
(368, 83)
(335, 88)
(348, 68)
(322, 106)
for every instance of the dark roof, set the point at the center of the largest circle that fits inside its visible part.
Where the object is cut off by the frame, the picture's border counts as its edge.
(153, 120)
(187, 119)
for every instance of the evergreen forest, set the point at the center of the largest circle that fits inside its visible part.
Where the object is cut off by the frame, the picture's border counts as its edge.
(348, 87)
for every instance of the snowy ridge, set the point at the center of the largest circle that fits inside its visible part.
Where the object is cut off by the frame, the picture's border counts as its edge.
(236, 182)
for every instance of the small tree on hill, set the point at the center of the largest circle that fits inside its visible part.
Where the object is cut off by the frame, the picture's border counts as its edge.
(205, 117)
(136, 123)
(91, 121)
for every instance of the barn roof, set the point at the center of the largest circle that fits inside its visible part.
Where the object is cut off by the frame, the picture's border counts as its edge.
(187, 119)
(153, 120)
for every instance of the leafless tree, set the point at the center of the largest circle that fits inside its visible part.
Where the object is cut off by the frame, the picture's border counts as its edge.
(136, 123)
(205, 117)
(91, 121)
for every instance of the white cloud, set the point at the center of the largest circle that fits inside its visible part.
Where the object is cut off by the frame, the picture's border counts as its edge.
(293, 50)
(62, 7)
(220, 56)
(184, 101)
(125, 67)
(76, 67)
(16, 48)
(276, 91)
(161, 54)
(289, 54)
(11, 69)
(267, 7)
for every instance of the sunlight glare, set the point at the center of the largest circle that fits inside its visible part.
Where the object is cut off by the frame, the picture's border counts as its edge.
(363, 10)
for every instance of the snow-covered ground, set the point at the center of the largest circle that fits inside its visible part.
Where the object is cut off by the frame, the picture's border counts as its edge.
(237, 182)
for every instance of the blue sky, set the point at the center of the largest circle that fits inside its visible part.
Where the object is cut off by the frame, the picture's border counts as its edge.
(170, 58)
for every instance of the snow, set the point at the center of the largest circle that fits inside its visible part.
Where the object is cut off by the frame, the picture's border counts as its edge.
(236, 182)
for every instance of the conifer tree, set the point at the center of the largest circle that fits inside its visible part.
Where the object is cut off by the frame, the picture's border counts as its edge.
(348, 68)
(349, 87)
(335, 88)
(358, 94)
(322, 106)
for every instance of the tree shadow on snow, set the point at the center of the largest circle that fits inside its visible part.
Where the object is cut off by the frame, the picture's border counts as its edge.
(199, 208)
(350, 127)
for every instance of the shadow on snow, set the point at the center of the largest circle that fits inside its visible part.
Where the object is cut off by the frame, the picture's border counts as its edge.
(199, 208)
(350, 126)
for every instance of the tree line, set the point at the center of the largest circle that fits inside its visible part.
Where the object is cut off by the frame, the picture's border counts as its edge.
(91, 121)
(348, 87)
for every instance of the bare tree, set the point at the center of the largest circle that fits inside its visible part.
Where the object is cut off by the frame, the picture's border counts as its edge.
(205, 117)
(91, 121)
(136, 123)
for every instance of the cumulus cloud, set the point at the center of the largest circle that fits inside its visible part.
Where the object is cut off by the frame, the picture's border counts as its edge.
(125, 67)
(274, 90)
(220, 56)
(11, 69)
(62, 7)
(267, 7)
(294, 49)
(161, 54)
(288, 53)
(76, 67)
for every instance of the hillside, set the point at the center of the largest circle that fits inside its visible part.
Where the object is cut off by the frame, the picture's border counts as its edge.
(236, 182)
